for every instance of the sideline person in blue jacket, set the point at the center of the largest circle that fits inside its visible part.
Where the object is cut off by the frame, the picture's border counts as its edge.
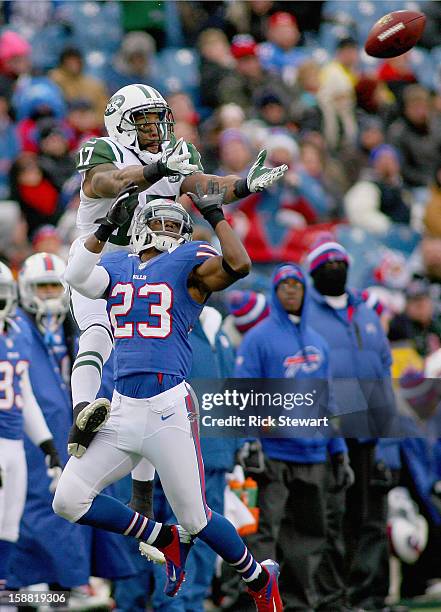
(360, 363)
(293, 488)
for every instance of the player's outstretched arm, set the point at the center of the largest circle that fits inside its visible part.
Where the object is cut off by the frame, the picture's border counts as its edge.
(82, 272)
(217, 273)
(259, 178)
(105, 181)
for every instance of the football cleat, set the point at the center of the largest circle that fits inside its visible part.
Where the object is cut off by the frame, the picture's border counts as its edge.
(268, 599)
(152, 553)
(93, 416)
(88, 419)
(175, 554)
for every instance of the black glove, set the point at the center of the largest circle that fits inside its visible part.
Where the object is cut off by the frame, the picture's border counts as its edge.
(54, 467)
(119, 213)
(343, 473)
(250, 456)
(210, 204)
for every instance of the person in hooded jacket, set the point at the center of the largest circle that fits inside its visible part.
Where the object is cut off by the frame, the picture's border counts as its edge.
(293, 488)
(360, 362)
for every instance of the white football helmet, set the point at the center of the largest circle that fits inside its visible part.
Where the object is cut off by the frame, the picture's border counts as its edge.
(8, 293)
(42, 269)
(130, 100)
(143, 237)
(407, 529)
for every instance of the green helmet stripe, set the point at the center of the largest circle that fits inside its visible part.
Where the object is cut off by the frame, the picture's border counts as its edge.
(144, 91)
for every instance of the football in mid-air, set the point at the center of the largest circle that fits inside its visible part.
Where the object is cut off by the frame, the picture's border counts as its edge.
(395, 33)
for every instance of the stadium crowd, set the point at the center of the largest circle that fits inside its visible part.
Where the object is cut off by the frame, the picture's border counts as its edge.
(357, 215)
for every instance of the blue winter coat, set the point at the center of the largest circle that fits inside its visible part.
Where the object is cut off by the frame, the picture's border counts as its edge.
(360, 363)
(269, 350)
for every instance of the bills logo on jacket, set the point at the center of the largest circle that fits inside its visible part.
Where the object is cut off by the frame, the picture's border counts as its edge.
(307, 360)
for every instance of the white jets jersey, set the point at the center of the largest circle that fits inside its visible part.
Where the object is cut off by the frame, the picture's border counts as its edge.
(106, 150)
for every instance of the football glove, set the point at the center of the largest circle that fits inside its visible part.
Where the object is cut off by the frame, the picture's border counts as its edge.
(260, 177)
(209, 204)
(174, 162)
(122, 208)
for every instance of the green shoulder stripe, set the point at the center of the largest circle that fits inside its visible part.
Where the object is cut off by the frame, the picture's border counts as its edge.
(195, 156)
(94, 152)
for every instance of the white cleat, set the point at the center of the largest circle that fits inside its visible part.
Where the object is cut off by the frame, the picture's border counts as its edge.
(152, 553)
(94, 416)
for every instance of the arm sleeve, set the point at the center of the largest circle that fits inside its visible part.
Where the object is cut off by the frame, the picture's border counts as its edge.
(34, 422)
(95, 152)
(84, 275)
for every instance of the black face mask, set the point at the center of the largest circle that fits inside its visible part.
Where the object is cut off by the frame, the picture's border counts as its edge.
(330, 281)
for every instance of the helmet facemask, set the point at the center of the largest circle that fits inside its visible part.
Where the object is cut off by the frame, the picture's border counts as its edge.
(49, 311)
(144, 237)
(136, 120)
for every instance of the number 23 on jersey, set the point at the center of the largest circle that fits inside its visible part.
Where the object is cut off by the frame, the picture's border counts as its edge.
(158, 310)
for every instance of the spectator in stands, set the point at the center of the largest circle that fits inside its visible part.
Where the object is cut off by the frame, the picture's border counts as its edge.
(235, 153)
(246, 309)
(419, 322)
(432, 217)
(280, 54)
(337, 96)
(373, 97)
(70, 76)
(82, 122)
(271, 110)
(216, 63)
(341, 71)
(370, 136)
(135, 62)
(417, 136)
(37, 196)
(306, 107)
(251, 17)
(250, 79)
(293, 487)
(54, 158)
(15, 61)
(183, 108)
(378, 199)
(319, 167)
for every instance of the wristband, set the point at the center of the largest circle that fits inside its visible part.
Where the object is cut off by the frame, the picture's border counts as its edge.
(48, 447)
(214, 216)
(154, 172)
(229, 270)
(104, 232)
(241, 189)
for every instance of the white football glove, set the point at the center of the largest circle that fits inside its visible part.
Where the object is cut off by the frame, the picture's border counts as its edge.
(54, 473)
(259, 177)
(175, 161)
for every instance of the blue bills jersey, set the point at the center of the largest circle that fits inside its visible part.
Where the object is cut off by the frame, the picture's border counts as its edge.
(14, 361)
(151, 310)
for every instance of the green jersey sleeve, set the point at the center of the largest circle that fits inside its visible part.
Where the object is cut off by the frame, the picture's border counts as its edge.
(94, 152)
